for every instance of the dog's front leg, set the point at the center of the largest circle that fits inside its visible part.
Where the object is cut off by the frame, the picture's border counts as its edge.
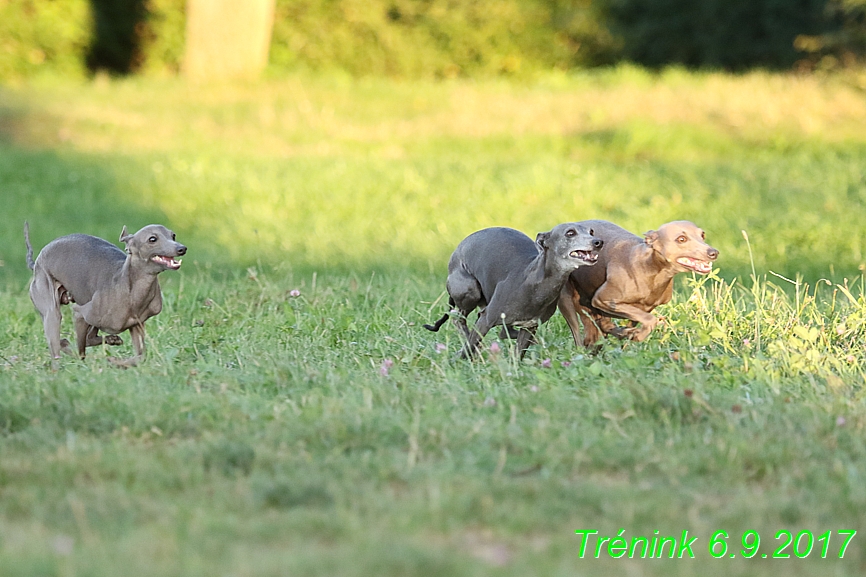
(645, 321)
(525, 337)
(136, 333)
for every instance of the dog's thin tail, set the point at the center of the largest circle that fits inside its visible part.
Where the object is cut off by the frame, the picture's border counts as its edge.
(438, 324)
(30, 262)
(435, 326)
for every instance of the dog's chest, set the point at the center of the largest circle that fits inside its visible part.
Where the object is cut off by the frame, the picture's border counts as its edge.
(150, 304)
(115, 313)
(655, 295)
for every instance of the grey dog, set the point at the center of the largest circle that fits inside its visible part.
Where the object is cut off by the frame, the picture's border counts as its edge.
(632, 277)
(516, 282)
(110, 290)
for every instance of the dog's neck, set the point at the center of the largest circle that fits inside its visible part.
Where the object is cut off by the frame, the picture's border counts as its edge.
(662, 269)
(142, 283)
(546, 272)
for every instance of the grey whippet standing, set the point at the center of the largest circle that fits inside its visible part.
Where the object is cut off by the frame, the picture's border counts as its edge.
(110, 290)
(633, 276)
(515, 281)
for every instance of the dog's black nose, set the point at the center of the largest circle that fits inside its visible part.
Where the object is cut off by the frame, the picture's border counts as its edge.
(597, 244)
(181, 250)
(712, 253)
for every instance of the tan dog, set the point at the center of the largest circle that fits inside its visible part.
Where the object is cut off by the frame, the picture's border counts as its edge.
(633, 276)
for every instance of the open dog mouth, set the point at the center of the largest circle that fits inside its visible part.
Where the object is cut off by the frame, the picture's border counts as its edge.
(166, 261)
(587, 256)
(701, 266)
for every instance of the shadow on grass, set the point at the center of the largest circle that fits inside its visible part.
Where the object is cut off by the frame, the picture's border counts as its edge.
(59, 194)
(800, 206)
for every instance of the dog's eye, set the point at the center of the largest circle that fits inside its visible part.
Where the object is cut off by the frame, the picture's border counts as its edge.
(591, 232)
(703, 235)
(152, 239)
(681, 238)
(570, 232)
(173, 236)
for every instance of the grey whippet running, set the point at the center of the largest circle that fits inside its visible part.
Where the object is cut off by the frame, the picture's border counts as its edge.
(633, 276)
(110, 290)
(515, 281)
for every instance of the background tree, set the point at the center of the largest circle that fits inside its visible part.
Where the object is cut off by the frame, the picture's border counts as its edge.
(227, 38)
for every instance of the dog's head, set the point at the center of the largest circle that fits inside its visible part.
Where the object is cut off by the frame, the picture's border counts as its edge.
(154, 244)
(682, 244)
(571, 243)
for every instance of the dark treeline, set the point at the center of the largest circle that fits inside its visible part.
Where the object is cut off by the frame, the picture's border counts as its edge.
(445, 38)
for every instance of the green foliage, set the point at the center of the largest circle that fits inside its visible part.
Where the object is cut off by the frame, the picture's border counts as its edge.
(40, 35)
(443, 38)
(729, 34)
(583, 27)
(68, 37)
(845, 44)
(437, 38)
(162, 37)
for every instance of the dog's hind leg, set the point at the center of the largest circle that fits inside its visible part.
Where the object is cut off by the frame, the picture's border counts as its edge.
(82, 332)
(45, 299)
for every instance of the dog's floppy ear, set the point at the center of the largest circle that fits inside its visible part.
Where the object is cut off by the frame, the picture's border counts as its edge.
(650, 237)
(541, 239)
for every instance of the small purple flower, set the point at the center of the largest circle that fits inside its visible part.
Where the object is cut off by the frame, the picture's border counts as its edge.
(546, 363)
(746, 342)
(840, 421)
(386, 366)
(440, 348)
(565, 364)
(294, 293)
(495, 348)
(533, 388)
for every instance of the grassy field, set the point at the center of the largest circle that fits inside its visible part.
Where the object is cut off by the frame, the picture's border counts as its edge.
(324, 432)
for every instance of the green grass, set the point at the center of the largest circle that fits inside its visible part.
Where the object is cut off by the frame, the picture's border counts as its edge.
(261, 437)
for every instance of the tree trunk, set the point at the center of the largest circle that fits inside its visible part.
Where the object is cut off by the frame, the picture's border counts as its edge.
(227, 39)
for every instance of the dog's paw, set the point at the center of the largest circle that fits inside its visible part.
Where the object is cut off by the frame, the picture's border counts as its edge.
(121, 363)
(112, 340)
(66, 348)
(640, 333)
(126, 363)
(622, 332)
